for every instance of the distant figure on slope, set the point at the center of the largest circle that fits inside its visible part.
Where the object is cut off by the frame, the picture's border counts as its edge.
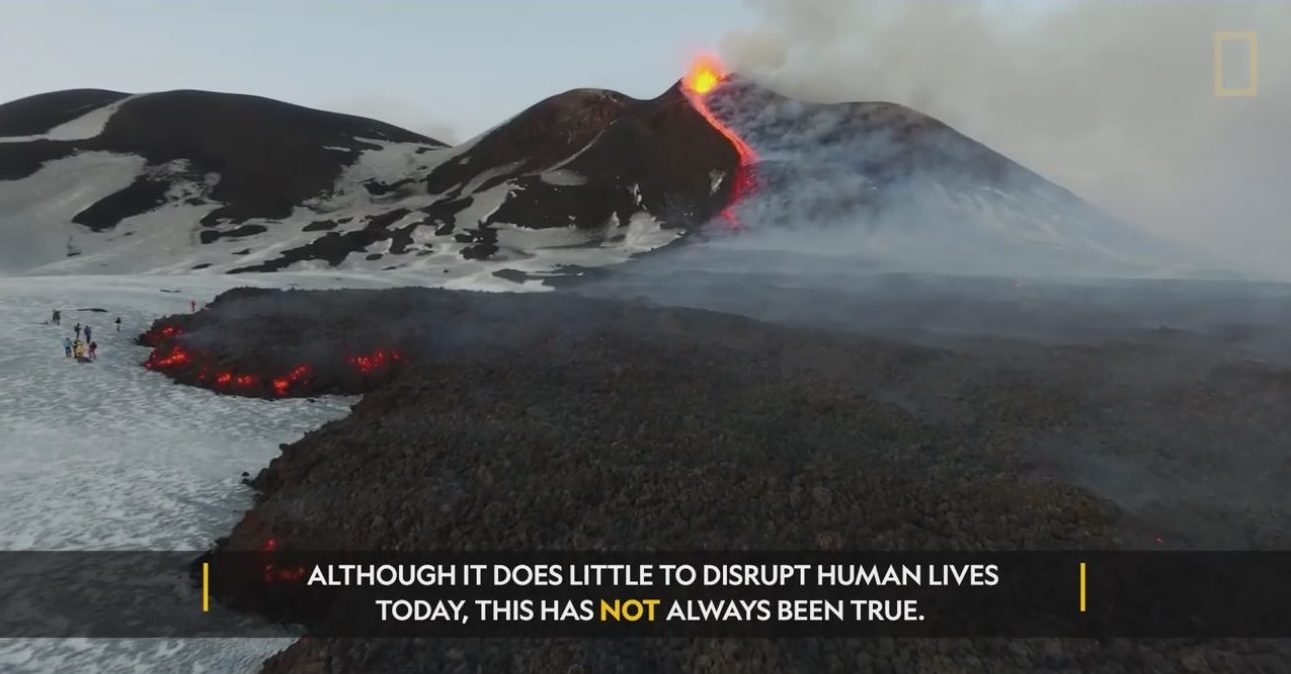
(118, 322)
(78, 331)
(192, 304)
(57, 318)
(94, 350)
(87, 333)
(67, 346)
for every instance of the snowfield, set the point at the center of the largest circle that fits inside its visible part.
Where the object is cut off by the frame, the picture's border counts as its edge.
(110, 456)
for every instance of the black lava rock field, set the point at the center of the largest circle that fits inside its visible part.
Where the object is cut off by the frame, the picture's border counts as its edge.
(556, 421)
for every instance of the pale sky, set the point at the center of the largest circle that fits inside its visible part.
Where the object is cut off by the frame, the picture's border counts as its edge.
(426, 65)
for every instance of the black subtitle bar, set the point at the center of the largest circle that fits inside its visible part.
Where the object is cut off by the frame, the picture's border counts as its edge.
(622, 594)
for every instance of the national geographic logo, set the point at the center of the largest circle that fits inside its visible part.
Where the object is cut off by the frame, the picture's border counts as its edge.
(1237, 45)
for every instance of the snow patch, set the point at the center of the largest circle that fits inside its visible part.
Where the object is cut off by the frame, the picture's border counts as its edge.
(645, 233)
(715, 180)
(36, 212)
(485, 204)
(389, 163)
(526, 239)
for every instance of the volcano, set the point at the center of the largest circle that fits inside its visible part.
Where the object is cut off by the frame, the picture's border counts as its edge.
(96, 181)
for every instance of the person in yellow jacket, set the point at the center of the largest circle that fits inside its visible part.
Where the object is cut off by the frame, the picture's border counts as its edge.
(79, 350)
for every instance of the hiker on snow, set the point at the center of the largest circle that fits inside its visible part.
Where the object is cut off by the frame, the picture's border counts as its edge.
(67, 346)
(118, 321)
(80, 352)
(94, 350)
(87, 333)
(78, 331)
(57, 317)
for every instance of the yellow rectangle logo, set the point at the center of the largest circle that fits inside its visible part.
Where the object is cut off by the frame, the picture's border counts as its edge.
(1223, 91)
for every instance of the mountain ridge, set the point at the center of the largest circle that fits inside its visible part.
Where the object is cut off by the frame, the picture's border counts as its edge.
(584, 178)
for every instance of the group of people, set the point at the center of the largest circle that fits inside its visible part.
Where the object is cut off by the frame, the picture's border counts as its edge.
(82, 352)
(83, 348)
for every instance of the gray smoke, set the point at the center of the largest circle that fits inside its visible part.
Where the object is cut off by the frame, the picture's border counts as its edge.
(882, 186)
(1114, 101)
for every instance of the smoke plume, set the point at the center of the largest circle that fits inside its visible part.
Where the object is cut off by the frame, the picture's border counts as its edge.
(1115, 101)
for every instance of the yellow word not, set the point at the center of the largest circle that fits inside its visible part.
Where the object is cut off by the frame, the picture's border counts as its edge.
(630, 610)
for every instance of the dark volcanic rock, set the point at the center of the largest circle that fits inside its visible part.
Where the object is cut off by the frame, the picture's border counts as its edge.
(320, 226)
(39, 114)
(141, 196)
(212, 235)
(547, 132)
(19, 160)
(557, 422)
(624, 156)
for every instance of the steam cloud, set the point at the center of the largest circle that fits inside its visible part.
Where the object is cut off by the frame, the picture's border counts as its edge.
(1113, 100)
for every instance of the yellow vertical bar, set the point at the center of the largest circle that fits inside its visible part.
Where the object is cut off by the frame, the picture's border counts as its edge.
(1255, 65)
(1219, 63)
(1082, 587)
(206, 588)
(1253, 87)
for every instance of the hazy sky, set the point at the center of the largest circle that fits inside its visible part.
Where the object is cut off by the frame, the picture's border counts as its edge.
(428, 65)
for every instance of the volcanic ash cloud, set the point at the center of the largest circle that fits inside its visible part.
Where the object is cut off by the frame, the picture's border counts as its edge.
(1112, 100)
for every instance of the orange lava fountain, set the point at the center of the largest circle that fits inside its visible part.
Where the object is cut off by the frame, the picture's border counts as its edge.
(705, 74)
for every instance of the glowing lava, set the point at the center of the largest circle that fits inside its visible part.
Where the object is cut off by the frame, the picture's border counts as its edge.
(180, 361)
(282, 385)
(705, 74)
(367, 363)
(274, 574)
(176, 356)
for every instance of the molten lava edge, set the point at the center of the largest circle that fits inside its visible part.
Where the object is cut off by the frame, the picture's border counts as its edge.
(697, 85)
(359, 372)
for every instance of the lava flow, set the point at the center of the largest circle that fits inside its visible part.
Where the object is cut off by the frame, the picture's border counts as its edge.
(704, 76)
(203, 368)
